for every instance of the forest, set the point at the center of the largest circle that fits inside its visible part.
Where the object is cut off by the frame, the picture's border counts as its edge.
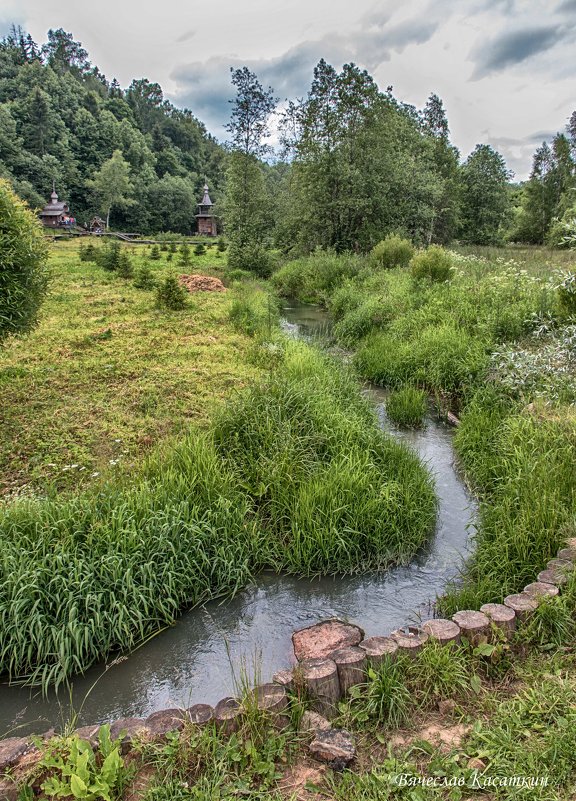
(352, 163)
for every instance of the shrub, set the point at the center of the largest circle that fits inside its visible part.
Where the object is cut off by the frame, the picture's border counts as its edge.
(170, 295)
(370, 314)
(239, 275)
(407, 406)
(185, 259)
(125, 269)
(566, 290)
(109, 256)
(155, 254)
(88, 252)
(221, 245)
(433, 264)
(392, 252)
(251, 257)
(313, 278)
(144, 278)
(199, 250)
(23, 271)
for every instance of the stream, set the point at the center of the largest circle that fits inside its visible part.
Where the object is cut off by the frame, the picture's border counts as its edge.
(205, 653)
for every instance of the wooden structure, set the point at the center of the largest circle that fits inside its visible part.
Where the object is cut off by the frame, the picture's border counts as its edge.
(55, 214)
(205, 219)
(97, 225)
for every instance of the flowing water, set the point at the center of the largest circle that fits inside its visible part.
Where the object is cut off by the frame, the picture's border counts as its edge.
(200, 658)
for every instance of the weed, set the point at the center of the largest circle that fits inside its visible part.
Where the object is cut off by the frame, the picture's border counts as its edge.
(407, 406)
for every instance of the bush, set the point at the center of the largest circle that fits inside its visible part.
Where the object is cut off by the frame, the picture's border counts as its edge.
(251, 257)
(199, 250)
(125, 269)
(355, 325)
(185, 259)
(221, 245)
(109, 256)
(392, 252)
(88, 253)
(567, 294)
(170, 295)
(407, 406)
(144, 278)
(23, 271)
(312, 279)
(155, 254)
(434, 264)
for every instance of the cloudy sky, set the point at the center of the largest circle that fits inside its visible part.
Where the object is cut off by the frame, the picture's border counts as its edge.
(505, 69)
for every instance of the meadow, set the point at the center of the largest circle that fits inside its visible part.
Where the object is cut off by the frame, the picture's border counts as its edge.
(291, 473)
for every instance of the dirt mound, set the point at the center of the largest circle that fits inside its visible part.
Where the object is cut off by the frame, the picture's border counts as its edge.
(201, 283)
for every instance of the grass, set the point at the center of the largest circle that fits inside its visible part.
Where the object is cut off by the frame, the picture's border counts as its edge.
(293, 473)
(407, 406)
(106, 375)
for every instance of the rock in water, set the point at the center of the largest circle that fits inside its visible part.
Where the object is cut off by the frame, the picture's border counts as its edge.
(321, 639)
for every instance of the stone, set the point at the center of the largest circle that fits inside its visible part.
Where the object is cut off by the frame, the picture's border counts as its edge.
(476, 764)
(333, 746)
(319, 640)
(165, 720)
(9, 790)
(11, 750)
(127, 730)
(311, 722)
(200, 714)
(446, 706)
(444, 631)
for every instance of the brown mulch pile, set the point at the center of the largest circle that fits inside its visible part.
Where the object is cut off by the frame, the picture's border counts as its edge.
(201, 283)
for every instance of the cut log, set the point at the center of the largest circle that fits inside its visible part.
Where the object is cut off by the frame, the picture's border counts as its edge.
(351, 664)
(273, 700)
(89, 734)
(165, 720)
(128, 730)
(285, 678)
(568, 554)
(522, 603)
(319, 640)
(475, 626)
(410, 639)
(11, 750)
(379, 649)
(9, 789)
(501, 616)
(560, 564)
(444, 631)
(553, 576)
(538, 589)
(200, 714)
(311, 722)
(320, 677)
(227, 714)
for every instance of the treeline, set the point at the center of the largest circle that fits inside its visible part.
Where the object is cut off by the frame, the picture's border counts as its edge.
(356, 163)
(62, 120)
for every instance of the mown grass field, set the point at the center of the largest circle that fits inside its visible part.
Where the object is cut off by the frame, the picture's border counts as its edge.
(106, 375)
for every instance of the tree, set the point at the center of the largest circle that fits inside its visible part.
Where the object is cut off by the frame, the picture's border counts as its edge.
(485, 196)
(245, 199)
(23, 272)
(111, 184)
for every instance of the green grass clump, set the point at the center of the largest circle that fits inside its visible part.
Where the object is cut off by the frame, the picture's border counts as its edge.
(393, 251)
(433, 264)
(358, 322)
(313, 278)
(407, 406)
(254, 312)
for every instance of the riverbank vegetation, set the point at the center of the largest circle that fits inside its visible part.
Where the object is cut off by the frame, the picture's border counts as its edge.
(292, 474)
(494, 343)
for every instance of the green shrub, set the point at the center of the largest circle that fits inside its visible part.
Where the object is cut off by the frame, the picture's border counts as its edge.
(253, 258)
(315, 277)
(221, 245)
(199, 249)
(144, 278)
(155, 254)
(109, 256)
(23, 271)
(392, 252)
(185, 259)
(171, 295)
(407, 406)
(567, 294)
(125, 268)
(88, 252)
(433, 264)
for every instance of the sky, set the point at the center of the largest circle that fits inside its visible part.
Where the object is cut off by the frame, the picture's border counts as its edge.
(505, 69)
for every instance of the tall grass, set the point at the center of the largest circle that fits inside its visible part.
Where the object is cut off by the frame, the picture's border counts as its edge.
(293, 474)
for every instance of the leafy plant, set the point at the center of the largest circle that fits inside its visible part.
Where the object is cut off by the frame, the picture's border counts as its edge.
(199, 249)
(433, 264)
(144, 278)
(75, 771)
(393, 251)
(155, 254)
(171, 295)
